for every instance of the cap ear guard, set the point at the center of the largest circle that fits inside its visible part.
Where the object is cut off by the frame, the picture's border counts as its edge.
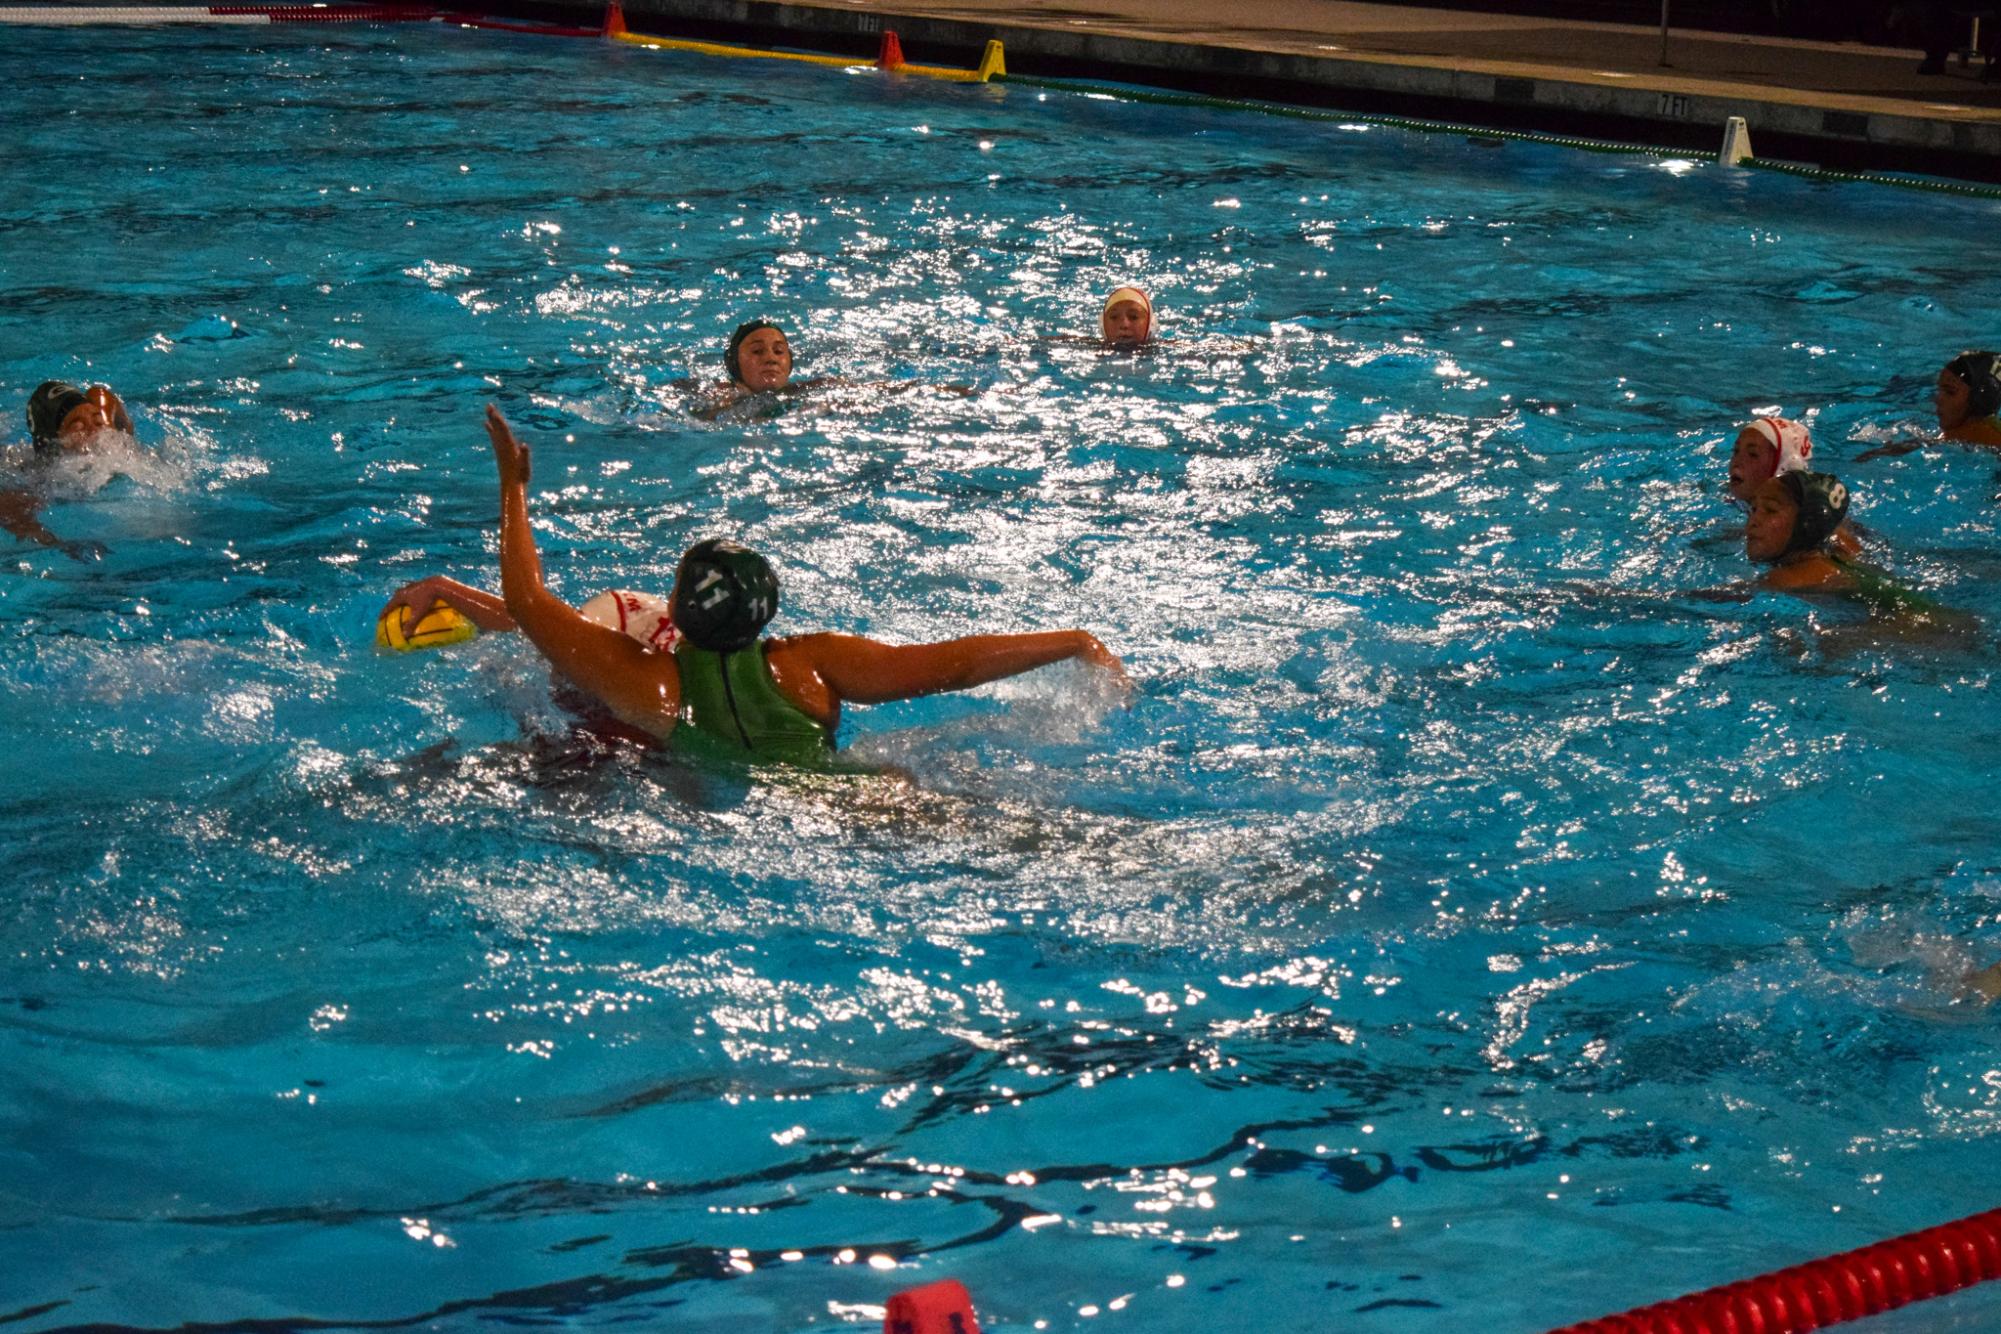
(1982, 373)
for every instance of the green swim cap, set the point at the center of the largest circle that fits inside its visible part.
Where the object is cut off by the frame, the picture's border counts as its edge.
(52, 401)
(1823, 504)
(724, 594)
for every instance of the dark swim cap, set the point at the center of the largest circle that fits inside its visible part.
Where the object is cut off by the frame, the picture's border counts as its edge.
(1982, 373)
(1823, 504)
(52, 401)
(743, 331)
(723, 595)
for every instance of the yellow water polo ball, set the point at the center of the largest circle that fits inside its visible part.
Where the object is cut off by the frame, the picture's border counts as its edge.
(442, 624)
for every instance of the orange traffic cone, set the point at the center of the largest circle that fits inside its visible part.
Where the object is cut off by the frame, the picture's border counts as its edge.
(614, 20)
(891, 55)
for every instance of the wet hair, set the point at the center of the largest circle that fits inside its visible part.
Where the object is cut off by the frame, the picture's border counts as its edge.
(724, 594)
(1982, 373)
(743, 331)
(1822, 502)
(48, 406)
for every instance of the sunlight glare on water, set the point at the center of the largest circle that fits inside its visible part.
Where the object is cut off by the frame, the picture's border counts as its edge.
(1456, 903)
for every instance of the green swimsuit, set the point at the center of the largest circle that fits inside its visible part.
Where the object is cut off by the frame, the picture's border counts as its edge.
(732, 698)
(1881, 594)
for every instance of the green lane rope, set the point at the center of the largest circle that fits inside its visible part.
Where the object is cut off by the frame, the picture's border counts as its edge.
(1930, 184)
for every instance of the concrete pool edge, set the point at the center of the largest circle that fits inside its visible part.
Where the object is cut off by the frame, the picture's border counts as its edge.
(1663, 109)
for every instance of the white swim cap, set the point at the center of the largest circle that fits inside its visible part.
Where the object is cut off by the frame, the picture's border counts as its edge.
(1137, 297)
(1791, 439)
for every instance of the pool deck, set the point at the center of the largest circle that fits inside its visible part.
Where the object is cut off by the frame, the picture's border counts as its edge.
(1841, 105)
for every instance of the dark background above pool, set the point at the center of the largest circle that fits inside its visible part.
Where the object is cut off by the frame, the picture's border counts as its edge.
(1834, 20)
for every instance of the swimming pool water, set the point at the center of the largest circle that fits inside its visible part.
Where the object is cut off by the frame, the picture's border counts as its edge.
(1461, 930)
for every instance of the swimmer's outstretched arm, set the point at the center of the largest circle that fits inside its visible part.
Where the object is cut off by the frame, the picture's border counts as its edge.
(640, 687)
(1742, 591)
(21, 515)
(1892, 451)
(486, 610)
(867, 671)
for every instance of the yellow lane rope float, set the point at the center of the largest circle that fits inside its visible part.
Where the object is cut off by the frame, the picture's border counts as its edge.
(993, 61)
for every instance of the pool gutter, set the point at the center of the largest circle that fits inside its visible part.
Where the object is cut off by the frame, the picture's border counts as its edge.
(1660, 108)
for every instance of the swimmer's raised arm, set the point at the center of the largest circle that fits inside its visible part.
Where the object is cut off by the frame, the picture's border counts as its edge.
(641, 688)
(866, 671)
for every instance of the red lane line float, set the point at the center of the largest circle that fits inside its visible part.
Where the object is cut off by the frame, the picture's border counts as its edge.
(1848, 1286)
(944, 1307)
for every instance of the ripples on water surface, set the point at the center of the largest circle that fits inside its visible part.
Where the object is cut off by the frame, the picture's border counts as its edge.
(1448, 920)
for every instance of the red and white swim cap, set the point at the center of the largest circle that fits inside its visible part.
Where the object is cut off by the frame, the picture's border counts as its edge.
(1792, 441)
(644, 616)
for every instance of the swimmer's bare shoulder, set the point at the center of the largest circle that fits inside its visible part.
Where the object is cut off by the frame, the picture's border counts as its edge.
(1814, 574)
